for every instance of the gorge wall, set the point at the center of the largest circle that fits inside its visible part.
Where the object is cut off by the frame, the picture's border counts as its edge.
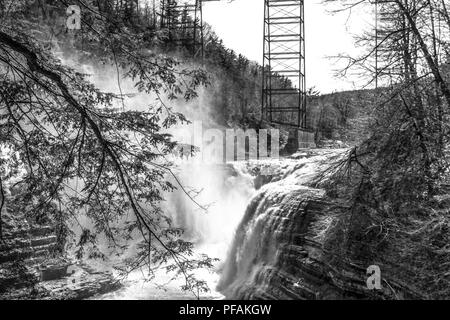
(278, 251)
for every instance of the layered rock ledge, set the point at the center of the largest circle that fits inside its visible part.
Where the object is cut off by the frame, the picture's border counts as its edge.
(279, 250)
(31, 267)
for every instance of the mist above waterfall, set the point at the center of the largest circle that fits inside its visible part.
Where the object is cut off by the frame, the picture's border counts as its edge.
(210, 199)
(224, 191)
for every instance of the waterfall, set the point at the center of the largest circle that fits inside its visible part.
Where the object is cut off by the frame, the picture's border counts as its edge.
(259, 262)
(224, 191)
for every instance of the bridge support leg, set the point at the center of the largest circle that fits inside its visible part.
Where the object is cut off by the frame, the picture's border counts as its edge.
(306, 139)
(299, 139)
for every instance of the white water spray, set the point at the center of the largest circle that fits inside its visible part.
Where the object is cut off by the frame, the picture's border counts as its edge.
(224, 189)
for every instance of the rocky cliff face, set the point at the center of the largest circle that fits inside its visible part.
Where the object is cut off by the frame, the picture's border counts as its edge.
(31, 268)
(279, 251)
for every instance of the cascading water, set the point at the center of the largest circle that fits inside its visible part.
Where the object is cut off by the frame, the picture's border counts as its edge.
(269, 239)
(225, 190)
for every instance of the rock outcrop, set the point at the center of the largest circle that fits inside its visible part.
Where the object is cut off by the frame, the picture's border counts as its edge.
(279, 250)
(31, 268)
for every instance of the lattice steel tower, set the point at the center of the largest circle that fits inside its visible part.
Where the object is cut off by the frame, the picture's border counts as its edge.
(284, 88)
(184, 22)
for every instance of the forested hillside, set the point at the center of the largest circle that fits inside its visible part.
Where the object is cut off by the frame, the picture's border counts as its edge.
(396, 179)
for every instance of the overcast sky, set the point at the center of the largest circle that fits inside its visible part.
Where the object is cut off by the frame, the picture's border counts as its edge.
(240, 25)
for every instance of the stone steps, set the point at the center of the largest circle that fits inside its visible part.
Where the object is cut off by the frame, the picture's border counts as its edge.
(28, 251)
(40, 231)
(30, 268)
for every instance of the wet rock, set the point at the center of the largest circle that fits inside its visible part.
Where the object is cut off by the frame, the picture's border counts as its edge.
(30, 268)
(279, 250)
(53, 272)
